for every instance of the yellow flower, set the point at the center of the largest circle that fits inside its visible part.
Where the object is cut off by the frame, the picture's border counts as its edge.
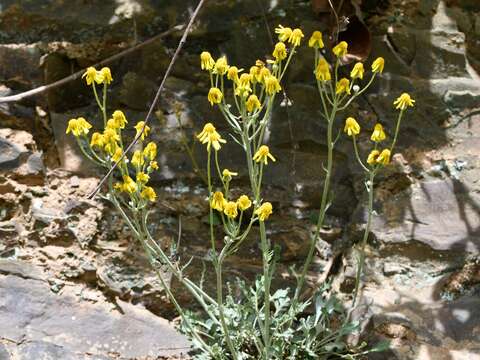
(384, 157)
(91, 75)
(221, 66)
(97, 140)
(343, 85)
(218, 201)
(378, 133)
(111, 124)
(206, 61)
(264, 211)
(110, 137)
(340, 49)
(378, 65)
(253, 103)
(244, 203)
(316, 40)
(106, 75)
(119, 119)
(322, 72)
(284, 33)
(232, 73)
(403, 101)
(230, 209)
(118, 186)
(150, 150)
(264, 73)
(129, 185)
(272, 86)
(280, 51)
(215, 96)
(210, 137)
(255, 73)
(78, 127)
(148, 193)
(153, 165)
(351, 127)
(137, 159)
(357, 71)
(263, 154)
(372, 157)
(142, 178)
(296, 37)
(117, 155)
(243, 86)
(227, 175)
(139, 128)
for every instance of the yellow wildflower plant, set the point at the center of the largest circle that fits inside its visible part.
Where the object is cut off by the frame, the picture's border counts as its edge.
(264, 73)
(119, 119)
(296, 37)
(253, 103)
(230, 209)
(150, 151)
(221, 66)
(129, 186)
(384, 157)
(206, 61)
(211, 137)
(316, 40)
(215, 96)
(117, 155)
(137, 159)
(255, 73)
(264, 211)
(92, 76)
(218, 201)
(232, 73)
(280, 51)
(378, 64)
(272, 86)
(97, 140)
(284, 33)
(343, 86)
(148, 193)
(378, 133)
(341, 49)
(106, 75)
(372, 157)
(357, 71)
(227, 175)
(142, 178)
(139, 128)
(352, 127)
(243, 85)
(403, 102)
(263, 154)
(322, 71)
(78, 127)
(244, 203)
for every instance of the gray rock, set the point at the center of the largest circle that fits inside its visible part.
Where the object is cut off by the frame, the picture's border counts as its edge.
(9, 155)
(4, 355)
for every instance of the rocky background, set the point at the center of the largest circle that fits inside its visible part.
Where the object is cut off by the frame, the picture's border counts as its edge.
(74, 285)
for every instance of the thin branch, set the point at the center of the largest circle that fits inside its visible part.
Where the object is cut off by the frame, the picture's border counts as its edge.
(78, 74)
(155, 100)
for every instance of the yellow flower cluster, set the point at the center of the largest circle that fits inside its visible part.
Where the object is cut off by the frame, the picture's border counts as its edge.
(211, 137)
(92, 76)
(229, 208)
(78, 127)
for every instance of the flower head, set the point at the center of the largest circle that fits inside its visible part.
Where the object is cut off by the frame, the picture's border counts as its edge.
(243, 85)
(106, 75)
(153, 165)
(372, 157)
(227, 175)
(351, 127)
(244, 203)
(215, 96)
(280, 51)
(284, 33)
(232, 73)
(119, 119)
(150, 150)
(117, 155)
(221, 66)
(129, 185)
(378, 64)
(357, 71)
(137, 159)
(264, 211)
(322, 72)
(206, 61)
(253, 103)
(97, 140)
(91, 75)
(230, 209)
(264, 73)
(296, 37)
(340, 49)
(110, 137)
(378, 133)
(316, 40)
(218, 201)
(78, 127)
(210, 136)
(263, 154)
(148, 193)
(343, 86)
(139, 128)
(142, 178)
(403, 101)
(384, 157)
(255, 73)
(272, 86)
